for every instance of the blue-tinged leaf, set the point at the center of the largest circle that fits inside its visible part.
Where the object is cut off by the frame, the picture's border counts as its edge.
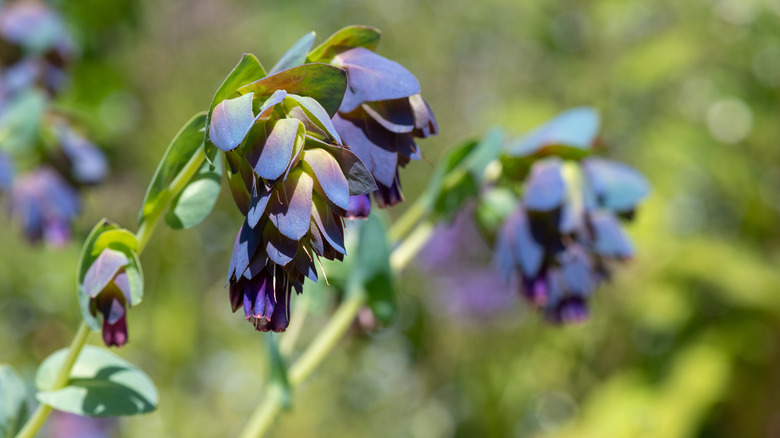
(238, 172)
(198, 197)
(231, 121)
(329, 176)
(323, 82)
(331, 229)
(372, 269)
(103, 270)
(609, 238)
(277, 151)
(280, 249)
(184, 145)
(316, 114)
(244, 248)
(86, 259)
(265, 110)
(374, 145)
(576, 128)
(545, 189)
(577, 271)
(290, 206)
(345, 39)
(101, 385)
(528, 253)
(14, 402)
(617, 186)
(305, 263)
(258, 205)
(359, 178)
(247, 70)
(372, 77)
(295, 55)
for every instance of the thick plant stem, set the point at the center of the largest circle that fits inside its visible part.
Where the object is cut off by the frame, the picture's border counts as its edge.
(42, 412)
(407, 221)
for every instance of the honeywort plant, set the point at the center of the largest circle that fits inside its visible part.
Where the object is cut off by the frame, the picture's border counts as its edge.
(302, 146)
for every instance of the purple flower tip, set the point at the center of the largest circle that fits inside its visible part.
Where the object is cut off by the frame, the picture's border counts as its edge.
(115, 335)
(572, 311)
(359, 207)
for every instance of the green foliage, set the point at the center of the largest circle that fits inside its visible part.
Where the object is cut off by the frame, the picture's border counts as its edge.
(277, 372)
(371, 269)
(14, 402)
(101, 384)
(198, 197)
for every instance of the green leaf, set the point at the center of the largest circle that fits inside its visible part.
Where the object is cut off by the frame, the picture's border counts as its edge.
(315, 113)
(85, 261)
(135, 278)
(20, 122)
(494, 208)
(101, 384)
(485, 153)
(345, 39)
(14, 404)
(296, 55)
(372, 269)
(198, 197)
(277, 378)
(116, 239)
(181, 149)
(246, 71)
(322, 82)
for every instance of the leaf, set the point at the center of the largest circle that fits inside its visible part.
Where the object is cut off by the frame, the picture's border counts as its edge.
(85, 261)
(331, 229)
(198, 197)
(345, 39)
(101, 384)
(247, 70)
(617, 186)
(295, 55)
(280, 249)
(372, 269)
(576, 128)
(290, 206)
(184, 145)
(323, 82)
(277, 373)
(277, 151)
(21, 121)
(495, 206)
(329, 176)
(244, 248)
(545, 188)
(372, 77)
(236, 170)
(358, 176)
(486, 151)
(451, 184)
(14, 404)
(231, 121)
(609, 238)
(116, 239)
(316, 114)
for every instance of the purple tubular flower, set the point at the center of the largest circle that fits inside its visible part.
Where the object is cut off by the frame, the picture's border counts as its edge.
(108, 288)
(86, 162)
(381, 114)
(359, 207)
(45, 205)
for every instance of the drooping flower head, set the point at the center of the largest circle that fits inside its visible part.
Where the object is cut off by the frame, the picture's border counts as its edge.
(107, 285)
(565, 233)
(382, 112)
(292, 177)
(45, 205)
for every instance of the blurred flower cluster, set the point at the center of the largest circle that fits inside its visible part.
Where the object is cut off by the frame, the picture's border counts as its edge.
(561, 238)
(44, 158)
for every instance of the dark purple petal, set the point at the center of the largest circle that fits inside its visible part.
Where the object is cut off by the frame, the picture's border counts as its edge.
(115, 335)
(238, 171)
(577, 271)
(247, 241)
(231, 121)
(290, 207)
(359, 207)
(572, 310)
(257, 302)
(546, 188)
(425, 123)
(305, 263)
(329, 176)
(535, 290)
(389, 196)
(371, 77)
(258, 204)
(330, 228)
(103, 270)
(316, 240)
(374, 145)
(395, 115)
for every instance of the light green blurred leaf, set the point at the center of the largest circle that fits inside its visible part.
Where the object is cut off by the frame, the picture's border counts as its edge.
(198, 197)
(295, 55)
(14, 402)
(372, 271)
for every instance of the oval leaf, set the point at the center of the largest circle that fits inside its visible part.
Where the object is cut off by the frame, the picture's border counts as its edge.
(277, 151)
(290, 207)
(316, 114)
(359, 178)
(101, 384)
(323, 82)
(372, 77)
(14, 404)
(198, 197)
(231, 121)
(345, 39)
(295, 55)
(617, 186)
(575, 128)
(329, 176)
(546, 188)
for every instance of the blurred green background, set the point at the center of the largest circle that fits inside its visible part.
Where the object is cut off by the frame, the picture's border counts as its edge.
(682, 343)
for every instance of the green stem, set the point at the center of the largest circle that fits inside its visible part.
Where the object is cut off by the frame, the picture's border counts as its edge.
(42, 412)
(297, 320)
(408, 220)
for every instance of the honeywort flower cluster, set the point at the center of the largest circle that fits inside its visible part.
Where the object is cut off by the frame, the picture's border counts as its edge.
(565, 232)
(43, 157)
